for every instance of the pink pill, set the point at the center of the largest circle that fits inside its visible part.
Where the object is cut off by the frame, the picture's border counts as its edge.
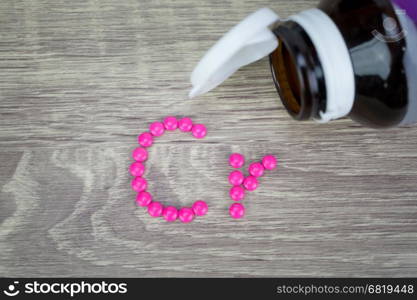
(185, 124)
(186, 215)
(236, 178)
(237, 193)
(236, 160)
(251, 183)
(200, 208)
(157, 129)
(140, 154)
(139, 184)
(237, 211)
(155, 209)
(137, 169)
(269, 162)
(199, 131)
(145, 139)
(170, 213)
(170, 123)
(256, 169)
(143, 199)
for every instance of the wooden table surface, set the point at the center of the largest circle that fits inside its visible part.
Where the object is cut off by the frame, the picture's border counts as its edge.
(80, 79)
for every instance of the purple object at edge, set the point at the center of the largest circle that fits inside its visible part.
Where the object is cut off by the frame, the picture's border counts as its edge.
(410, 7)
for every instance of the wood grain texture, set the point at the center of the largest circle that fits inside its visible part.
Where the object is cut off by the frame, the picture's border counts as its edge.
(80, 79)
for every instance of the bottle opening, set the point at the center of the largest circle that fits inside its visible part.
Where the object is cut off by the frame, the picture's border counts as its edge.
(312, 68)
(297, 72)
(284, 71)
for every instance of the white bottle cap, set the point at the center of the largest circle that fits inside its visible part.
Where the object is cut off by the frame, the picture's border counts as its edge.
(245, 43)
(252, 39)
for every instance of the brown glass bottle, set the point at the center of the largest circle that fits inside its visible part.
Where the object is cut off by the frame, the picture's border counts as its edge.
(377, 54)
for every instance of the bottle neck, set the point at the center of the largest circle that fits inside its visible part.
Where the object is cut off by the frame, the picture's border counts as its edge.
(298, 73)
(312, 69)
